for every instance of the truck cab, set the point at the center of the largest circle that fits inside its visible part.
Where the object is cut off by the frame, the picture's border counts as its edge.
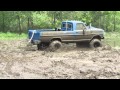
(72, 25)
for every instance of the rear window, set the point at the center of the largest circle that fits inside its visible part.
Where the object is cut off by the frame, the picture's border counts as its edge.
(68, 25)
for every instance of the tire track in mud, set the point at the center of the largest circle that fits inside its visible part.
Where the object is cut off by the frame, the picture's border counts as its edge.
(8, 67)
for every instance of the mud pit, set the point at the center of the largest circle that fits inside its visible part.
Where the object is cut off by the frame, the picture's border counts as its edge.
(70, 62)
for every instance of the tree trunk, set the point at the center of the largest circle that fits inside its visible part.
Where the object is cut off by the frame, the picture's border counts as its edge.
(28, 23)
(114, 21)
(31, 25)
(54, 17)
(61, 15)
(19, 25)
(3, 21)
(100, 22)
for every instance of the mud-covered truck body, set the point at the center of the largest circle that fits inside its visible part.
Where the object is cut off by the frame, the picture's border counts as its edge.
(70, 32)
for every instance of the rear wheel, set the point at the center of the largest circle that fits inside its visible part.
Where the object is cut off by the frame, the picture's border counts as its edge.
(42, 46)
(95, 43)
(55, 45)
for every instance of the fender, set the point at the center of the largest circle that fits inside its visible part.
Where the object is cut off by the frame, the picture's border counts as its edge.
(56, 38)
(97, 37)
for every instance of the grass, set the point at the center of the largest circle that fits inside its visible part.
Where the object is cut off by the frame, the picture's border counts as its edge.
(12, 36)
(112, 38)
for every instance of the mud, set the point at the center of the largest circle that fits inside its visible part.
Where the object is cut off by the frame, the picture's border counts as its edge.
(18, 61)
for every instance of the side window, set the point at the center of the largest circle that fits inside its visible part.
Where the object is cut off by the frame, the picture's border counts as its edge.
(80, 26)
(68, 26)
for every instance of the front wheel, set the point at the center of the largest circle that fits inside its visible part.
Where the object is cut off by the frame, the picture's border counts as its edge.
(95, 43)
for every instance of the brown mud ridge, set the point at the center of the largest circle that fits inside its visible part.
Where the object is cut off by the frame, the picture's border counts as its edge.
(20, 62)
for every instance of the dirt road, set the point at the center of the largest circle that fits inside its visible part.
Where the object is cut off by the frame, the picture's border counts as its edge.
(70, 62)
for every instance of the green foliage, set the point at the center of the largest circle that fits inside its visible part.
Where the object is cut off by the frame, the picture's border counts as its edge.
(42, 20)
(21, 21)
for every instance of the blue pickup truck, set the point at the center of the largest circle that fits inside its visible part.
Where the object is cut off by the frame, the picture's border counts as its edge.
(70, 32)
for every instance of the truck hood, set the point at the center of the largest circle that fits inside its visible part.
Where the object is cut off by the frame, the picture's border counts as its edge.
(94, 28)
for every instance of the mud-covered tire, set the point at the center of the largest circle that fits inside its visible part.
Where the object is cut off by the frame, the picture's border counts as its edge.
(42, 46)
(95, 43)
(82, 44)
(55, 45)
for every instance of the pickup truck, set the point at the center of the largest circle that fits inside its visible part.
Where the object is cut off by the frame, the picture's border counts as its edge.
(70, 32)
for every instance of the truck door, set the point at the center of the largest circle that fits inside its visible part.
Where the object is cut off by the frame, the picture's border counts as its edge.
(79, 33)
